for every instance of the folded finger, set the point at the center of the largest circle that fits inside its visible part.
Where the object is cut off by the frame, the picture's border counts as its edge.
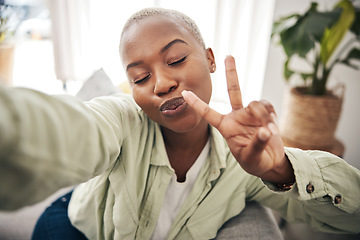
(260, 112)
(270, 108)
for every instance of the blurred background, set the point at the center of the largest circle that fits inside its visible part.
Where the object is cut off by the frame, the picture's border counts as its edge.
(56, 46)
(274, 86)
(68, 40)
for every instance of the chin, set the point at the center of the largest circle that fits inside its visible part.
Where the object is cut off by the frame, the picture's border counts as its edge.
(183, 125)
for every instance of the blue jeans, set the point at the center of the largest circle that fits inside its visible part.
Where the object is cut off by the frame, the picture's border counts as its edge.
(54, 223)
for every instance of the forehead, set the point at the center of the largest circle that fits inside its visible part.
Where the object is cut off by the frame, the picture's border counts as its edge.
(153, 31)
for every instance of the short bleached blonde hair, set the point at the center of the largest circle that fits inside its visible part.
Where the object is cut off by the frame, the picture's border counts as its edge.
(176, 15)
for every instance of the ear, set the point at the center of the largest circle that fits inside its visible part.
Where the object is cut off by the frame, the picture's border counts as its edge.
(211, 60)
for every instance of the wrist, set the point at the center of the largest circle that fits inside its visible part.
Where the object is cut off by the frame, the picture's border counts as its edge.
(284, 186)
(282, 176)
(287, 172)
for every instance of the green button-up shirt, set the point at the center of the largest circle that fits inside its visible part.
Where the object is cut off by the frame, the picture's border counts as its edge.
(48, 142)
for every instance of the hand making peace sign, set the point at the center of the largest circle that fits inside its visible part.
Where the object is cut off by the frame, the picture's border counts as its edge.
(251, 133)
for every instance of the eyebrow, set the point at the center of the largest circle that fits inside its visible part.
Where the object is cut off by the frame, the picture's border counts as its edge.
(172, 43)
(134, 64)
(166, 47)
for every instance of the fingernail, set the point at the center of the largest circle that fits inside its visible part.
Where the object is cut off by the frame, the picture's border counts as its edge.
(229, 62)
(265, 102)
(274, 118)
(184, 92)
(264, 134)
(273, 129)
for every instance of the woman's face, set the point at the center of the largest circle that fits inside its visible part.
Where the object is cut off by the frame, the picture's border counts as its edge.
(161, 59)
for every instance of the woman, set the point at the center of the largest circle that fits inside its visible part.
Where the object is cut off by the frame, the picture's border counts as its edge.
(161, 171)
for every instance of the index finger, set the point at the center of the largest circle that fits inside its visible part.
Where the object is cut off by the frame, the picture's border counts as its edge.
(233, 83)
(209, 114)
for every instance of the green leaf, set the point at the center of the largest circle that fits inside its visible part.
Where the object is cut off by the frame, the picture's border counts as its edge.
(308, 29)
(355, 28)
(349, 64)
(333, 35)
(294, 41)
(354, 54)
(305, 76)
(287, 71)
(284, 23)
(2, 36)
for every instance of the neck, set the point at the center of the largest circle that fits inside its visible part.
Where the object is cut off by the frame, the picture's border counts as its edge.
(196, 137)
(184, 148)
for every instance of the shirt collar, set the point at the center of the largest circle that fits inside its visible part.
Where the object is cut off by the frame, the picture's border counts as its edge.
(217, 154)
(159, 156)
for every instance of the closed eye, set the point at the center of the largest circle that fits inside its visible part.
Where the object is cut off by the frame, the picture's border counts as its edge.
(141, 80)
(176, 62)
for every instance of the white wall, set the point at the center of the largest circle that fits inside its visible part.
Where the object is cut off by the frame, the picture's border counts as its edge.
(274, 85)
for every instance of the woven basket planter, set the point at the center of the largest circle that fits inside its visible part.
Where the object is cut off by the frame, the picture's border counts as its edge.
(309, 122)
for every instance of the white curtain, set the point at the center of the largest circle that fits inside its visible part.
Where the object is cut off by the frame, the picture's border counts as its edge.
(87, 33)
(70, 35)
(243, 30)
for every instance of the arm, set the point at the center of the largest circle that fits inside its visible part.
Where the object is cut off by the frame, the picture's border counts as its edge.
(48, 142)
(254, 141)
(251, 132)
(326, 193)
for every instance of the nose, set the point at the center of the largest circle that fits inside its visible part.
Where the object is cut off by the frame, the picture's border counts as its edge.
(164, 84)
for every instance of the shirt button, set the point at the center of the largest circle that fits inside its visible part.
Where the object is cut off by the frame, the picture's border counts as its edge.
(310, 188)
(338, 199)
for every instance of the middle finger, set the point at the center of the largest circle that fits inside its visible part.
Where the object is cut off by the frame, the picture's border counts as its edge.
(233, 83)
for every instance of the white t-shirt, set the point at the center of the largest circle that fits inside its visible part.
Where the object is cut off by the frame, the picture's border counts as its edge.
(176, 194)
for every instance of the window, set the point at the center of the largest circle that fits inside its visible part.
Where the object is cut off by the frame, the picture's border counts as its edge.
(93, 27)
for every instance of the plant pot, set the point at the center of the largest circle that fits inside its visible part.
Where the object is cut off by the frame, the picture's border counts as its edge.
(6, 63)
(310, 122)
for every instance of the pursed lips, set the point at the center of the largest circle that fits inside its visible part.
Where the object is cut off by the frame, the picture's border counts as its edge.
(173, 106)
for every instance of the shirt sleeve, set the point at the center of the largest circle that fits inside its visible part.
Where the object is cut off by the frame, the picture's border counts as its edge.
(49, 142)
(326, 193)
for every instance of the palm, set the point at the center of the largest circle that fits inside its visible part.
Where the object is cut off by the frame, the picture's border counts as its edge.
(250, 132)
(239, 128)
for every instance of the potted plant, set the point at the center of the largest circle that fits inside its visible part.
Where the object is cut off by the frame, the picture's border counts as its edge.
(321, 40)
(8, 26)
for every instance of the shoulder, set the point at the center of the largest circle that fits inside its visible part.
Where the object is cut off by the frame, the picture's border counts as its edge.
(121, 106)
(116, 102)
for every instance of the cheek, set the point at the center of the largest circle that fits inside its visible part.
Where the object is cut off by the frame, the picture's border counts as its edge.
(143, 99)
(140, 96)
(200, 82)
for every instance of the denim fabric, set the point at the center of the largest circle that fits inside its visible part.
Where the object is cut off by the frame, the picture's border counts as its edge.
(54, 223)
